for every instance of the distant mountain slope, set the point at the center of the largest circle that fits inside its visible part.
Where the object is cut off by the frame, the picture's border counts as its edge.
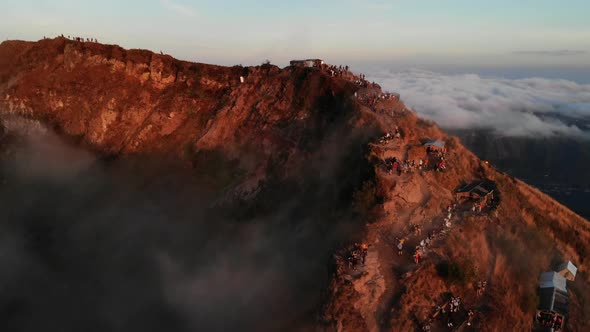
(556, 165)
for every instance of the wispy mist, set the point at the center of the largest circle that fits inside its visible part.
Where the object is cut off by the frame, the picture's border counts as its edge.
(140, 244)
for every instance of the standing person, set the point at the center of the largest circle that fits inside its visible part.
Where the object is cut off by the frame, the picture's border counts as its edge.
(470, 315)
(364, 252)
(400, 248)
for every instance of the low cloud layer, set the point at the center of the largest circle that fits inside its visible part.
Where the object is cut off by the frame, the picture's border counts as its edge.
(551, 52)
(521, 107)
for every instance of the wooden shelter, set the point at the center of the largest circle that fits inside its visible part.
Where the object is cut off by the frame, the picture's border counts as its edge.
(481, 190)
(308, 63)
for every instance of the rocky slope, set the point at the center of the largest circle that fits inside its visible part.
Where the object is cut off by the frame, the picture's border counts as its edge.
(555, 165)
(298, 138)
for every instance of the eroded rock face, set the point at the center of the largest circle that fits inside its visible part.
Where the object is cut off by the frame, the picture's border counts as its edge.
(135, 101)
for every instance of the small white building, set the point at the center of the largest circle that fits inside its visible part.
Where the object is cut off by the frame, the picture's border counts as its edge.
(553, 280)
(568, 270)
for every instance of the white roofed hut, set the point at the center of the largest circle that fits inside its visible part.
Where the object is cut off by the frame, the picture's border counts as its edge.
(435, 145)
(314, 63)
(308, 63)
(553, 280)
(297, 63)
(568, 270)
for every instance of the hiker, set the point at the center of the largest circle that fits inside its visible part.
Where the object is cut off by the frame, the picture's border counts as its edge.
(457, 302)
(417, 256)
(450, 323)
(364, 252)
(400, 248)
(470, 315)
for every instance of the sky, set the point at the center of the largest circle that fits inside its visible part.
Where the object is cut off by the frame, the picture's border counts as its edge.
(443, 33)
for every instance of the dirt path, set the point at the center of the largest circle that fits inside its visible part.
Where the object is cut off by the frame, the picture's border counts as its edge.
(378, 281)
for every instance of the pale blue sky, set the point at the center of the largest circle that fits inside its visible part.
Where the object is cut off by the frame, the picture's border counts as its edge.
(444, 32)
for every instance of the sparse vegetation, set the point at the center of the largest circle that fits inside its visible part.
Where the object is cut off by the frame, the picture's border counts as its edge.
(365, 199)
(529, 301)
(461, 271)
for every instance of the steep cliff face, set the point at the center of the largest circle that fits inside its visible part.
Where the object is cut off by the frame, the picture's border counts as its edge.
(298, 137)
(121, 102)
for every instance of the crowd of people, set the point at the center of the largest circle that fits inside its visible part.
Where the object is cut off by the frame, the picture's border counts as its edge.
(449, 316)
(337, 71)
(437, 158)
(448, 312)
(389, 136)
(425, 242)
(78, 39)
(357, 254)
(481, 287)
(393, 165)
(371, 98)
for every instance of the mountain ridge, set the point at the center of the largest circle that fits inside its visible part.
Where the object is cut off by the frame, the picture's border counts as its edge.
(282, 121)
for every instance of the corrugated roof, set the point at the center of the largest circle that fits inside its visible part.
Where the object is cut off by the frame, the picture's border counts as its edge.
(438, 143)
(553, 280)
(482, 187)
(568, 266)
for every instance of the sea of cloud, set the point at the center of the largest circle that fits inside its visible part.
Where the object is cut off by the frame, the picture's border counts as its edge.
(511, 107)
